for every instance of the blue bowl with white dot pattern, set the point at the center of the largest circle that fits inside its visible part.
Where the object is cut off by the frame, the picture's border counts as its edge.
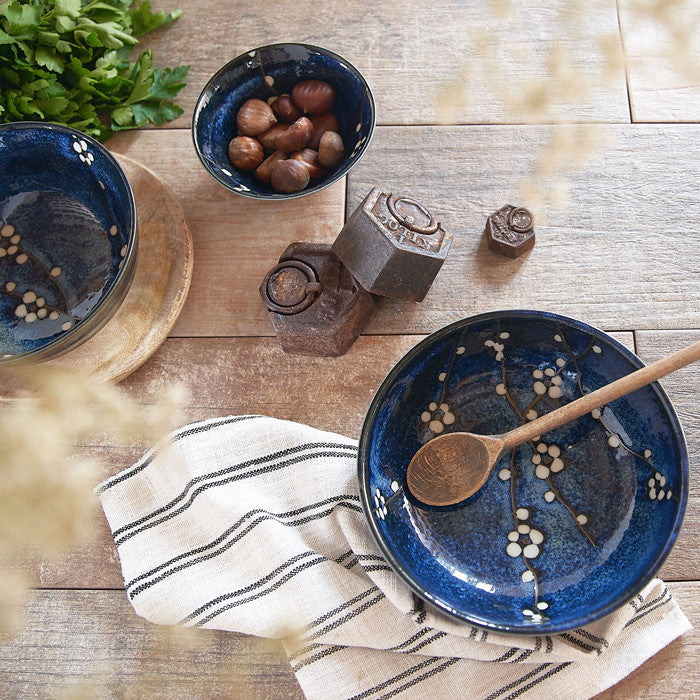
(266, 72)
(569, 526)
(68, 239)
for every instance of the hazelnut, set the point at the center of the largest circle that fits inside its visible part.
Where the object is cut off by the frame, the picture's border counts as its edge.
(245, 152)
(254, 117)
(296, 136)
(289, 176)
(285, 109)
(268, 139)
(264, 171)
(331, 149)
(313, 96)
(309, 158)
(322, 123)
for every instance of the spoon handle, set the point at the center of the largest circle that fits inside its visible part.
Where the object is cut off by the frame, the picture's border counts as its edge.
(600, 397)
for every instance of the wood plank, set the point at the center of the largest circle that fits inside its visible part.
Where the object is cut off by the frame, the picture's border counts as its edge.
(227, 376)
(662, 48)
(622, 255)
(252, 375)
(92, 641)
(682, 388)
(624, 240)
(488, 59)
(236, 239)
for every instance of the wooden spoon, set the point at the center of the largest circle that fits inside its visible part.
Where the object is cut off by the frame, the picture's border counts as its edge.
(452, 467)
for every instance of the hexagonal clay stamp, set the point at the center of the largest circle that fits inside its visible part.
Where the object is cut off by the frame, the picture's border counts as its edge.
(393, 246)
(316, 306)
(510, 231)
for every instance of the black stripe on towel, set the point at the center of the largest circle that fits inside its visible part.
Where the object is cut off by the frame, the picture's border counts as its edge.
(212, 484)
(428, 674)
(578, 643)
(401, 676)
(399, 647)
(504, 657)
(331, 613)
(228, 470)
(252, 586)
(236, 525)
(425, 642)
(278, 584)
(641, 614)
(317, 657)
(411, 640)
(221, 544)
(324, 618)
(186, 431)
(528, 652)
(235, 468)
(543, 677)
(520, 680)
(342, 620)
(590, 636)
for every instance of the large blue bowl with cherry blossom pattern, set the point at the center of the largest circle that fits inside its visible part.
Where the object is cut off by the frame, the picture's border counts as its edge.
(68, 239)
(569, 526)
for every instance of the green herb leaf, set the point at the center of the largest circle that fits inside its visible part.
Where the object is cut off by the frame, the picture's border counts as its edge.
(68, 61)
(144, 20)
(21, 21)
(67, 8)
(168, 82)
(44, 56)
(6, 38)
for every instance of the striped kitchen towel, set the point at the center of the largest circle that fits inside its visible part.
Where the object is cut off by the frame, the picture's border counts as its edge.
(254, 525)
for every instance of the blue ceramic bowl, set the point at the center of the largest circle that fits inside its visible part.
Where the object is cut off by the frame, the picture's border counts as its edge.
(263, 73)
(568, 527)
(68, 239)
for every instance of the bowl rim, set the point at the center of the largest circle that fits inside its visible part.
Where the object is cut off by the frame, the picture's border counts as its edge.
(279, 196)
(551, 627)
(122, 280)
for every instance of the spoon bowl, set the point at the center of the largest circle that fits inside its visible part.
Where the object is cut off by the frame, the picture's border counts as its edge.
(455, 466)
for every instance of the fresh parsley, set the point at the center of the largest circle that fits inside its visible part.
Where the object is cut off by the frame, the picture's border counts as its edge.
(68, 61)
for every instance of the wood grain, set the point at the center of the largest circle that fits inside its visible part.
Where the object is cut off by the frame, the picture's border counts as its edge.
(662, 48)
(487, 61)
(682, 388)
(93, 641)
(157, 293)
(252, 375)
(92, 644)
(623, 254)
(625, 241)
(236, 240)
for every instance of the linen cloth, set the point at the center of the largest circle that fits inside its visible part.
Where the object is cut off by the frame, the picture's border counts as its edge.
(254, 525)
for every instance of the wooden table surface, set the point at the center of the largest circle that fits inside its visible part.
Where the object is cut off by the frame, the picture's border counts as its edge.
(620, 252)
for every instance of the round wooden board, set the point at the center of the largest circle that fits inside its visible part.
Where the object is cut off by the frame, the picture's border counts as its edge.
(158, 290)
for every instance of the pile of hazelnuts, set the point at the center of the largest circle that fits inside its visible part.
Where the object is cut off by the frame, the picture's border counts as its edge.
(289, 140)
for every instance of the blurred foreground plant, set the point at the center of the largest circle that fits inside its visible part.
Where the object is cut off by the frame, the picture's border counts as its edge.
(46, 498)
(568, 72)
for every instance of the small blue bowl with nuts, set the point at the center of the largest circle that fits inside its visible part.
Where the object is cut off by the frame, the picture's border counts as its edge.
(68, 239)
(570, 525)
(283, 121)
